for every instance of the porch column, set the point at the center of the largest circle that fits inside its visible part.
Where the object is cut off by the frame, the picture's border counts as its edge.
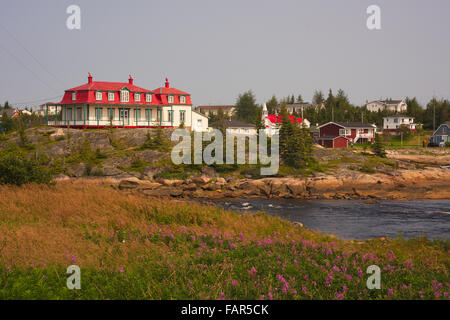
(160, 116)
(123, 115)
(46, 112)
(136, 116)
(84, 114)
(171, 116)
(65, 115)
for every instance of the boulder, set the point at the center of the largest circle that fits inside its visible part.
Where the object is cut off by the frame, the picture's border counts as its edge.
(77, 170)
(201, 179)
(170, 183)
(131, 183)
(150, 172)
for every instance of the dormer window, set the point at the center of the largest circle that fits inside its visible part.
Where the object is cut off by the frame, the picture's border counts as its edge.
(137, 97)
(74, 96)
(182, 99)
(98, 95)
(124, 96)
(170, 99)
(148, 97)
(110, 96)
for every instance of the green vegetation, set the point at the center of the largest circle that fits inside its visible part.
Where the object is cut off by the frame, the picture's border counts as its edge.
(157, 142)
(295, 143)
(16, 169)
(378, 147)
(133, 247)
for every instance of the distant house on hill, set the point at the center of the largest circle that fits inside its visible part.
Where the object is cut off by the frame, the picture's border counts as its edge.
(237, 127)
(46, 108)
(228, 110)
(441, 135)
(298, 108)
(340, 134)
(387, 105)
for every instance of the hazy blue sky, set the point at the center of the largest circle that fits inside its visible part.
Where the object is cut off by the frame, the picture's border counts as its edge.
(218, 49)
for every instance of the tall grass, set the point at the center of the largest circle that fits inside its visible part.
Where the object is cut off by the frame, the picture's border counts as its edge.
(131, 247)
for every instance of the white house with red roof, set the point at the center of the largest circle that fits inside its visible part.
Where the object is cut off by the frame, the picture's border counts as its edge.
(272, 122)
(100, 104)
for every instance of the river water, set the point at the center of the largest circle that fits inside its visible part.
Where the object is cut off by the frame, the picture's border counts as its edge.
(355, 219)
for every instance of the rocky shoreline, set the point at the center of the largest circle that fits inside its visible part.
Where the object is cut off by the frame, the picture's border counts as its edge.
(428, 183)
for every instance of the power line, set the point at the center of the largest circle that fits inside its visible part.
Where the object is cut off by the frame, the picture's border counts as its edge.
(40, 100)
(29, 53)
(29, 70)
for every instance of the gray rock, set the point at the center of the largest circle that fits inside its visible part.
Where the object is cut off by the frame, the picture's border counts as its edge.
(150, 172)
(77, 170)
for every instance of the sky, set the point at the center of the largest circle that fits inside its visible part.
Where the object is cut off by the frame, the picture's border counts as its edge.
(216, 50)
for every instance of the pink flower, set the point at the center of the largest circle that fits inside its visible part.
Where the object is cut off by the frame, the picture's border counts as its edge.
(234, 282)
(253, 271)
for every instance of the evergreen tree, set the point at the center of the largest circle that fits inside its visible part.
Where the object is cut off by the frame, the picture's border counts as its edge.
(296, 146)
(272, 104)
(378, 147)
(246, 107)
(318, 98)
(221, 121)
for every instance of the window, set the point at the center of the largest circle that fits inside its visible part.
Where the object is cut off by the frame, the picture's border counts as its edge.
(182, 99)
(137, 114)
(74, 96)
(344, 132)
(98, 113)
(124, 96)
(110, 96)
(170, 99)
(169, 115)
(98, 95)
(395, 120)
(148, 115)
(148, 97)
(182, 115)
(137, 97)
(110, 114)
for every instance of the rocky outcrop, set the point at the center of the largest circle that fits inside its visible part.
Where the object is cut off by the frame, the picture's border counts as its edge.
(431, 183)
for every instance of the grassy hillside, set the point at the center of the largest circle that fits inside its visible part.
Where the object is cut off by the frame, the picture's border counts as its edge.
(133, 247)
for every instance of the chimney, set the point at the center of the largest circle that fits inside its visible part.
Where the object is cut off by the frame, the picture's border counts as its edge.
(89, 78)
(167, 83)
(130, 80)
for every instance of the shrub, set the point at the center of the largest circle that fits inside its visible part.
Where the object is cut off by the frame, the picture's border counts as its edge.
(158, 142)
(16, 169)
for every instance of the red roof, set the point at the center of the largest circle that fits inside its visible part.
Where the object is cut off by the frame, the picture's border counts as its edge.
(86, 93)
(108, 86)
(279, 119)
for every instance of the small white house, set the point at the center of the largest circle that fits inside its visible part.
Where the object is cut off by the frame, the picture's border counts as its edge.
(394, 123)
(387, 105)
(238, 127)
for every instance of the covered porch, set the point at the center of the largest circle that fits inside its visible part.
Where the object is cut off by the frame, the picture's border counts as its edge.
(102, 115)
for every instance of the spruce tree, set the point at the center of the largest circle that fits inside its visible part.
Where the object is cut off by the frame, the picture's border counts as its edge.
(378, 147)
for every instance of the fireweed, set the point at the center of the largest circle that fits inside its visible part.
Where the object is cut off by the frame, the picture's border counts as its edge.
(132, 247)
